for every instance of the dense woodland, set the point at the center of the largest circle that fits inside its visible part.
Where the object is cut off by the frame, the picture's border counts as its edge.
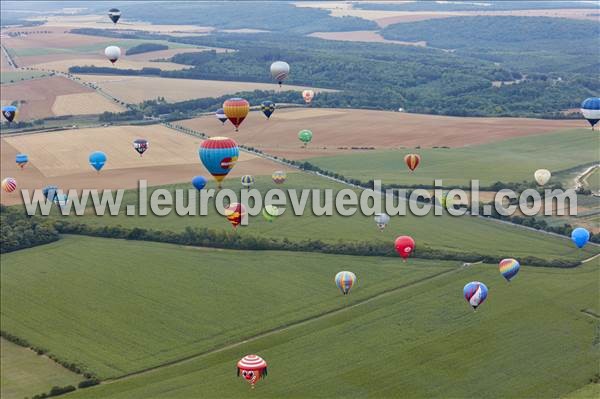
(474, 6)
(146, 48)
(19, 231)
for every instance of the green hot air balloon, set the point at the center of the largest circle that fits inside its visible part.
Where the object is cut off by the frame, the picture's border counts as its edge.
(305, 136)
(270, 212)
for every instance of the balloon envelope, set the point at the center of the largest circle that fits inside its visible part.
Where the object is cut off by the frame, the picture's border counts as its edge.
(9, 184)
(345, 281)
(509, 268)
(308, 96)
(234, 213)
(475, 293)
(236, 110)
(267, 108)
(279, 177)
(199, 182)
(114, 14)
(9, 112)
(219, 155)
(580, 237)
(21, 159)
(382, 220)
(113, 53)
(404, 245)
(542, 176)
(280, 71)
(252, 368)
(305, 136)
(270, 212)
(50, 192)
(220, 114)
(590, 108)
(412, 161)
(97, 160)
(247, 180)
(141, 145)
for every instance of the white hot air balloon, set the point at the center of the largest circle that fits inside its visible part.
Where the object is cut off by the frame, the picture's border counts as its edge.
(542, 176)
(113, 53)
(382, 220)
(280, 71)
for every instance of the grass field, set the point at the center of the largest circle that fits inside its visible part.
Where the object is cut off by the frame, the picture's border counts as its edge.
(117, 306)
(455, 234)
(589, 391)
(25, 374)
(593, 180)
(511, 160)
(18, 75)
(530, 339)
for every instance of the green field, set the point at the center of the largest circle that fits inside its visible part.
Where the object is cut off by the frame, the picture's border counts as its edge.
(593, 180)
(512, 160)
(25, 374)
(119, 306)
(455, 234)
(530, 339)
(15, 76)
(589, 391)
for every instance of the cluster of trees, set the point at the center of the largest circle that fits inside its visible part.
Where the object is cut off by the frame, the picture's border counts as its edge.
(473, 6)
(146, 48)
(18, 231)
(55, 391)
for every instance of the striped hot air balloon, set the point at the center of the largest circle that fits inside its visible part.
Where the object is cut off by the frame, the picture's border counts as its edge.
(220, 115)
(219, 155)
(9, 184)
(475, 293)
(21, 160)
(279, 177)
(345, 281)
(412, 161)
(247, 180)
(234, 213)
(280, 71)
(590, 108)
(236, 110)
(509, 268)
(252, 368)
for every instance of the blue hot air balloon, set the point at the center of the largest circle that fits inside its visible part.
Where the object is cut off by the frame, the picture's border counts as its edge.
(50, 192)
(475, 293)
(97, 160)
(22, 160)
(219, 155)
(267, 108)
(580, 237)
(199, 182)
(590, 108)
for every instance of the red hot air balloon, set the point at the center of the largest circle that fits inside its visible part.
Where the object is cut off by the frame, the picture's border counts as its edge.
(412, 161)
(234, 213)
(252, 368)
(236, 110)
(405, 245)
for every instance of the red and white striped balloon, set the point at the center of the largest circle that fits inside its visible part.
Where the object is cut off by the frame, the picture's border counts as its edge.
(252, 368)
(9, 184)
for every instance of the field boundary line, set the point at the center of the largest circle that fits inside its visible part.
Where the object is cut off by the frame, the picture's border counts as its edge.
(281, 328)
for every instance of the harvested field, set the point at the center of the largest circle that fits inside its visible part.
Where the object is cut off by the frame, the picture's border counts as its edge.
(338, 130)
(55, 62)
(61, 158)
(135, 89)
(48, 37)
(46, 97)
(363, 36)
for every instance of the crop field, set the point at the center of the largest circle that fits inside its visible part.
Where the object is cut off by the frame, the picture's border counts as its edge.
(336, 131)
(160, 302)
(15, 75)
(512, 160)
(453, 234)
(533, 328)
(363, 36)
(135, 89)
(55, 96)
(25, 374)
(61, 158)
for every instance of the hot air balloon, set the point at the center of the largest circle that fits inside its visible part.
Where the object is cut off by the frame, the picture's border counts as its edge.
(9, 112)
(308, 95)
(542, 176)
(50, 192)
(382, 220)
(580, 237)
(270, 212)
(475, 293)
(220, 114)
(97, 160)
(280, 71)
(199, 182)
(267, 108)
(305, 136)
(345, 281)
(247, 180)
(509, 268)
(140, 145)
(590, 108)
(113, 53)
(405, 245)
(236, 110)
(412, 161)
(234, 213)
(22, 160)
(219, 155)
(279, 177)
(252, 368)
(114, 14)
(9, 184)
(61, 200)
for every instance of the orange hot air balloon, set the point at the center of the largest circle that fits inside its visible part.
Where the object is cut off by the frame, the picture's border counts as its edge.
(412, 161)
(236, 110)
(308, 95)
(234, 213)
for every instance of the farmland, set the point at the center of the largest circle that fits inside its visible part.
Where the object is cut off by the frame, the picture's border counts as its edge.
(25, 374)
(417, 323)
(185, 300)
(135, 89)
(511, 160)
(11, 76)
